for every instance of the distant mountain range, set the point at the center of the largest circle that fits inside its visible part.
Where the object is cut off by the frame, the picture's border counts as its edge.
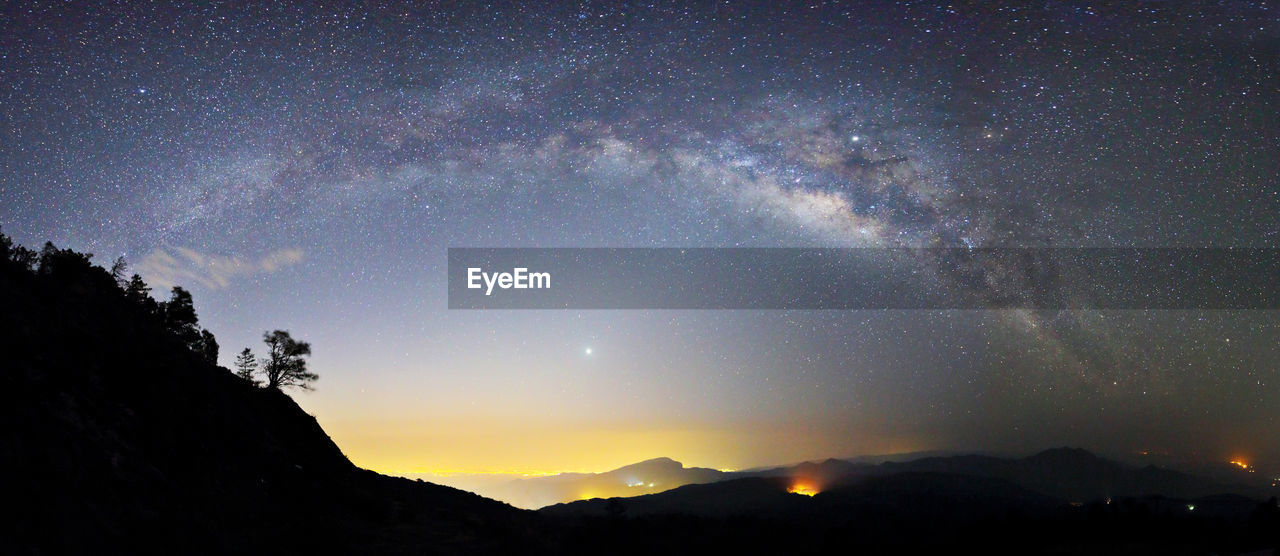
(646, 477)
(1044, 481)
(1063, 474)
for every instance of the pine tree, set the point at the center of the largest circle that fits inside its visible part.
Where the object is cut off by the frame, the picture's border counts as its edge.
(246, 364)
(137, 290)
(118, 270)
(139, 293)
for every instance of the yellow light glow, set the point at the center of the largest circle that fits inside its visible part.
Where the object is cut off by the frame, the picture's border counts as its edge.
(806, 489)
(501, 472)
(462, 444)
(1239, 463)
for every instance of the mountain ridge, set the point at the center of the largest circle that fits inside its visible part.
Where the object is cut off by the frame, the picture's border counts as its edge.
(122, 439)
(1051, 477)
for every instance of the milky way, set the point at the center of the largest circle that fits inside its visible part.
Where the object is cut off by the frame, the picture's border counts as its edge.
(306, 167)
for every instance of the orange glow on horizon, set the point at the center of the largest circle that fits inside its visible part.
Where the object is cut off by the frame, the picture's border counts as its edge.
(1243, 465)
(805, 488)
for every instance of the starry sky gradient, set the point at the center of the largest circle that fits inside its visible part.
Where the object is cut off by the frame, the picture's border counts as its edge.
(306, 167)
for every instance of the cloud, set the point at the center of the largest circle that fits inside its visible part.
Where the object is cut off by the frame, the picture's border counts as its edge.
(169, 266)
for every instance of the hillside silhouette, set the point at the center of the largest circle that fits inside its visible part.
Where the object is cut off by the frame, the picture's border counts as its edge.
(121, 439)
(1062, 500)
(123, 436)
(1049, 479)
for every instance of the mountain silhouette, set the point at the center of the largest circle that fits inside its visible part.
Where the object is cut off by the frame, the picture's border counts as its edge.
(646, 477)
(1034, 484)
(1076, 475)
(121, 439)
(889, 510)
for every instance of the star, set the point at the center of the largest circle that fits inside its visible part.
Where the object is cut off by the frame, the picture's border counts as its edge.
(338, 165)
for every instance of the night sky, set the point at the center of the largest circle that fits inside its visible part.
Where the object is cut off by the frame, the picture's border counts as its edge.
(307, 167)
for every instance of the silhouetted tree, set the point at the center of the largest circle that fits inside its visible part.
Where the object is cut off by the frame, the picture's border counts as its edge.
(136, 289)
(181, 321)
(118, 270)
(180, 318)
(139, 293)
(16, 255)
(64, 264)
(284, 364)
(208, 347)
(48, 254)
(246, 364)
(23, 258)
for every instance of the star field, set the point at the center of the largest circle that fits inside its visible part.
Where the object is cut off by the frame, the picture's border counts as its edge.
(306, 167)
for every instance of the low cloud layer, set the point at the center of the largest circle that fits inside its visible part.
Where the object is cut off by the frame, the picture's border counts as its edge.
(180, 266)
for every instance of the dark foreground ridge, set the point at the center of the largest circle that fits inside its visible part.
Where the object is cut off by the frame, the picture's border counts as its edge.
(122, 437)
